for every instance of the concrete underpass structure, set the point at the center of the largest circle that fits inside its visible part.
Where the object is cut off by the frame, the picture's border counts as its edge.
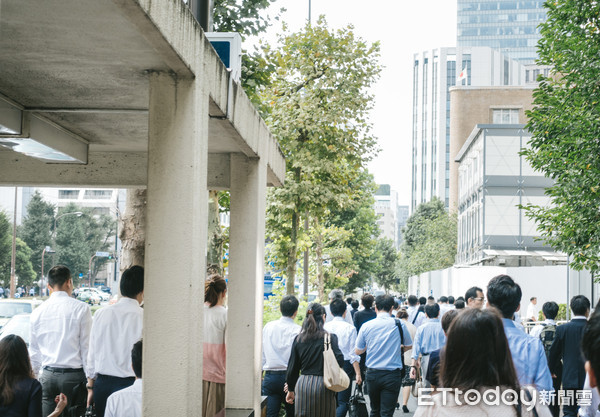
(135, 96)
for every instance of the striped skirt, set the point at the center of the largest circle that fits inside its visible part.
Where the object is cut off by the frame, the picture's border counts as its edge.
(313, 399)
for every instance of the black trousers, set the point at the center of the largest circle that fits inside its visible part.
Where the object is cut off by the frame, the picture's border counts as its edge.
(104, 386)
(384, 387)
(56, 381)
(272, 388)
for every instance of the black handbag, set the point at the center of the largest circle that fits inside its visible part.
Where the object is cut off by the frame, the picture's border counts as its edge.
(357, 406)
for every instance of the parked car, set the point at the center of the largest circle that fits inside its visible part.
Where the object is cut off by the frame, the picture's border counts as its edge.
(105, 289)
(19, 325)
(10, 307)
(103, 295)
(87, 296)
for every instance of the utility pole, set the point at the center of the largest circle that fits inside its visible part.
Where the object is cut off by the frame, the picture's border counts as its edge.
(13, 258)
(309, 12)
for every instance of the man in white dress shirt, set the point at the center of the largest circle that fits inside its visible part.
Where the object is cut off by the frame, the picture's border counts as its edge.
(60, 337)
(415, 317)
(532, 311)
(114, 331)
(128, 401)
(346, 334)
(278, 337)
(337, 294)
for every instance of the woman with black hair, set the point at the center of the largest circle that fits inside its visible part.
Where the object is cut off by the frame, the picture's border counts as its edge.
(20, 392)
(476, 365)
(307, 391)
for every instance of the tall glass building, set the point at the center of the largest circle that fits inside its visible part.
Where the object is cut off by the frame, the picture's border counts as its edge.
(509, 26)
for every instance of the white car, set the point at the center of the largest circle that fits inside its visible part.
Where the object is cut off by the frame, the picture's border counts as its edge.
(19, 325)
(10, 307)
(103, 296)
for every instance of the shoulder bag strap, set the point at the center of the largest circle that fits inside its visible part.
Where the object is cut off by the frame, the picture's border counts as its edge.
(416, 315)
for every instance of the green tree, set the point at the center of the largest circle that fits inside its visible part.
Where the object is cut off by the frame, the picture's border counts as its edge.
(385, 274)
(23, 268)
(36, 231)
(565, 128)
(78, 238)
(318, 111)
(430, 241)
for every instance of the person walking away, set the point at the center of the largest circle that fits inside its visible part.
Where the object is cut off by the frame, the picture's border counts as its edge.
(482, 366)
(214, 352)
(527, 352)
(382, 339)
(415, 316)
(429, 337)
(20, 392)
(546, 332)
(407, 381)
(354, 310)
(127, 402)
(433, 368)
(360, 318)
(304, 377)
(60, 338)
(278, 337)
(346, 335)
(121, 323)
(337, 294)
(567, 349)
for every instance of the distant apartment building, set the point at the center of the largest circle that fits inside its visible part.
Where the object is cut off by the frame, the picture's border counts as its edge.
(402, 218)
(386, 209)
(508, 26)
(434, 73)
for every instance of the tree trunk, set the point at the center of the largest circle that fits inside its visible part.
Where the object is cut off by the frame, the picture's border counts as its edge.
(319, 255)
(214, 257)
(292, 258)
(133, 229)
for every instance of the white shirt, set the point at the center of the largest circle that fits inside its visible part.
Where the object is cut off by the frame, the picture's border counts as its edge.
(532, 311)
(346, 334)
(60, 333)
(114, 331)
(126, 402)
(278, 337)
(412, 312)
(537, 329)
(329, 316)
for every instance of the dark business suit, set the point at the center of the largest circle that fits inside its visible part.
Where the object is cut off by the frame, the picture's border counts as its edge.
(567, 347)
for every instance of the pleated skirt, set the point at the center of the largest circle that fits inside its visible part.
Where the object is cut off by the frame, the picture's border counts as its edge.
(313, 399)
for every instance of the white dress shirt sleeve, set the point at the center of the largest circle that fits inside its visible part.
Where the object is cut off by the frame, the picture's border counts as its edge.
(352, 343)
(34, 350)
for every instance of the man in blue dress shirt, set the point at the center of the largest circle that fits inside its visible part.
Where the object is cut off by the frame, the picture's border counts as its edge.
(381, 339)
(527, 352)
(429, 337)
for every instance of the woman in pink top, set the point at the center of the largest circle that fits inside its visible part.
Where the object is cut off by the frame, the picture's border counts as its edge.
(215, 323)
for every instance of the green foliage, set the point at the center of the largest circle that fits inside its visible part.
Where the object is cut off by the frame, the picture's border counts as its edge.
(36, 231)
(565, 128)
(23, 268)
(271, 306)
(318, 111)
(562, 313)
(430, 240)
(78, 238)
(385, 274)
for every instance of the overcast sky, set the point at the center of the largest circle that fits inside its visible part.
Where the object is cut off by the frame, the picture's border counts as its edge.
(403, 27)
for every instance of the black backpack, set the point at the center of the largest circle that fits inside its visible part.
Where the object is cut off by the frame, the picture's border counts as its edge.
(547, 337)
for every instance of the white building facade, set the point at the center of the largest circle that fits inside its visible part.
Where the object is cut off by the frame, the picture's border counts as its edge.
(386, 209)
(434, 72)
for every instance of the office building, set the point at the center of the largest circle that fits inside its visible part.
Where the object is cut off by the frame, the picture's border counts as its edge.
(508, 26)
(386, 209)
(434, 73)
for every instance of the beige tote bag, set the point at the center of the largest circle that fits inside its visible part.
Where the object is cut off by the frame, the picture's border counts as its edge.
(334, 377)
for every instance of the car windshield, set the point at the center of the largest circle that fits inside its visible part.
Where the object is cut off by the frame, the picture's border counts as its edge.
(8, 309)
(19, 325)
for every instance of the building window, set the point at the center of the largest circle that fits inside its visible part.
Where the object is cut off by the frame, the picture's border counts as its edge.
(505, 116)
(97, 194)
(68, 194)
(101, 211)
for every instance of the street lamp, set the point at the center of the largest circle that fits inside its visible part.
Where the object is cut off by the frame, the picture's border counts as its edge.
(76, 213)
(46, 250)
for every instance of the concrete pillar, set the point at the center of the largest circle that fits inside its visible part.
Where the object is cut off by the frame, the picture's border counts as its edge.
(245, 285)
(175, 246)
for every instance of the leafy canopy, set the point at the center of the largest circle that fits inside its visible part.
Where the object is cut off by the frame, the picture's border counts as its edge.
(565, 127)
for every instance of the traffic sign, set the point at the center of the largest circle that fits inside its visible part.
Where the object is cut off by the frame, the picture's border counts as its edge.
(102, 254)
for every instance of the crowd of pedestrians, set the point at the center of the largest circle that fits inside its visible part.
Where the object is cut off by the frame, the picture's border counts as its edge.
(465, 352)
